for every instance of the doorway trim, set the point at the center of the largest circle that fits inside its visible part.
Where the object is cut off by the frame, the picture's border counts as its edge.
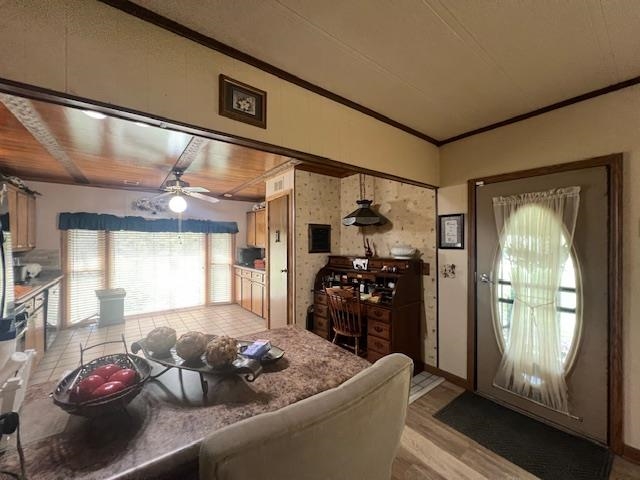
(613, 165)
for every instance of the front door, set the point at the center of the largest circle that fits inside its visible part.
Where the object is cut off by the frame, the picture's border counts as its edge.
(278, 221)
(580, 305)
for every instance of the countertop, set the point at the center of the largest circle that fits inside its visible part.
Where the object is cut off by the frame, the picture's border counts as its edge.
(44, 280)
(164, 426)
(259, 270)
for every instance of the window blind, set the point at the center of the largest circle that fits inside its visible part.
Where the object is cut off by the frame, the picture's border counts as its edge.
(159, 271)
(85, 272)
(220, 267)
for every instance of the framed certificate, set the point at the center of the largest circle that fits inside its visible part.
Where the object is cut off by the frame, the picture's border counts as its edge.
(451, 231)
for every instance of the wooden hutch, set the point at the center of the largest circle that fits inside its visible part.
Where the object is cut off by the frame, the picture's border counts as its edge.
(393, 322)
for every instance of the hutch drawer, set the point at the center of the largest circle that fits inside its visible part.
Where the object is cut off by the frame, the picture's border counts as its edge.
(319, 299)
(321, 323)
(379, 329)
(322, 311)
(379, 345)
(373, 356)
(377, 313)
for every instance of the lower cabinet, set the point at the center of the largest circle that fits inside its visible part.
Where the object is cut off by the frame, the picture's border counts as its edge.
(257, 298)
(246, 293)
(34, 336)
(250, 292)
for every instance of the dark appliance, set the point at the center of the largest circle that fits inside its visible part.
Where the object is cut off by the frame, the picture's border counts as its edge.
(246, 256)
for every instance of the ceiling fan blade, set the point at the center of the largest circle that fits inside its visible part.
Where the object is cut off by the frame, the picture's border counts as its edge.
(195, 189)
(199, 196)
(162, 195)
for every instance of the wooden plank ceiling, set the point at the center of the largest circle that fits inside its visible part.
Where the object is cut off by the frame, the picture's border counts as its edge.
(47, 142)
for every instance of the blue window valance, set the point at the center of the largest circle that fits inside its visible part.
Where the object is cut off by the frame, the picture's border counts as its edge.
(102, 221)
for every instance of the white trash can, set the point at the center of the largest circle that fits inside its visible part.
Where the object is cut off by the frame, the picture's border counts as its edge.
(111, 306)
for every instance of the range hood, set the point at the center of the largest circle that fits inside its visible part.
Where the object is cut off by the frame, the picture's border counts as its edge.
(363, 216)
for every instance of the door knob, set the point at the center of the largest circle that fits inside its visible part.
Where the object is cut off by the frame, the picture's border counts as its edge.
(484, 278)
(284, 270)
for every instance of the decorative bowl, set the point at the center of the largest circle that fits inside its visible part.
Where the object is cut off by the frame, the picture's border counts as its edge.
(108, 403)
(403, 251)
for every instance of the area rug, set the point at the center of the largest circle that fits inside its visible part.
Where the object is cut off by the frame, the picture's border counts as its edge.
(422, 384)
(536, 447)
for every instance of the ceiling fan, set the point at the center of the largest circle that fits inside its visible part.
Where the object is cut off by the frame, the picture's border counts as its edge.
(178, 189)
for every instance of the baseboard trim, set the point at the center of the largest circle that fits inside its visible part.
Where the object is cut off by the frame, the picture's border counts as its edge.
(632, 454)
(456, 380)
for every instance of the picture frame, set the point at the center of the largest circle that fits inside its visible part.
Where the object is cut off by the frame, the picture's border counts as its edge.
(319, 238)
(242, 102)
(451, 231)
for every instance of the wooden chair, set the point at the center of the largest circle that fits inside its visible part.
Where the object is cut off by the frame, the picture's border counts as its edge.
(345, 311)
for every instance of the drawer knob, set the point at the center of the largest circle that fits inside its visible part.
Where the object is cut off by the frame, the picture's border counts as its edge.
(377, 328)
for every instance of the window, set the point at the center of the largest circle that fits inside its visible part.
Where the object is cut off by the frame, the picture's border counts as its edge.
(568, 302)
(220, 265)
(159, 270)
(85, 272)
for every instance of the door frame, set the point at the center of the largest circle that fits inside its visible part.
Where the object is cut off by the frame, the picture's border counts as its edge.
(613, 165)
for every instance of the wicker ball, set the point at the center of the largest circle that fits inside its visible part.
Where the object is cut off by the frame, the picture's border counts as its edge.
(191, 346)
(160, 340)
(221, 351)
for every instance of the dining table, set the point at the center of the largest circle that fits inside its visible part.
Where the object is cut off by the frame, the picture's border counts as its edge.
(161, 430)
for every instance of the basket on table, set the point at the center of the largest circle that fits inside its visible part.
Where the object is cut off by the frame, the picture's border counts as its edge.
(109, 403)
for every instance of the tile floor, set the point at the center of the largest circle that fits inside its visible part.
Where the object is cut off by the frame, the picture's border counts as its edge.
(423, 383)
(64, 353)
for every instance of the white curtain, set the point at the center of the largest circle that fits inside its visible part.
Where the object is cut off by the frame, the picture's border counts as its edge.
(536, 234)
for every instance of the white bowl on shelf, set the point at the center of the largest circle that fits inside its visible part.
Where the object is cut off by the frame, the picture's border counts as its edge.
(403, 252)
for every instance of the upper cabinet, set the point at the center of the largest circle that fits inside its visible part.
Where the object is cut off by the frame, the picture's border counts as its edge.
(22, 219)
(257, 228)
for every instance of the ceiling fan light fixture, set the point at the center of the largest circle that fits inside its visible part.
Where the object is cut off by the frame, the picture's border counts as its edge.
(95, 115)
(177, 204)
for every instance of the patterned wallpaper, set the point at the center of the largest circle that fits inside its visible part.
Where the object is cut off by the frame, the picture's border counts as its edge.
(317, 200)
(412, 220)
(411, 212)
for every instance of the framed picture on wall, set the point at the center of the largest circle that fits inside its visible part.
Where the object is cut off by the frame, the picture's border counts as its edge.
(319, 238)
(451, 231)
(242, 102)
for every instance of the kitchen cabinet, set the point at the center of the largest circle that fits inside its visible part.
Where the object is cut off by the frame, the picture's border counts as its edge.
(31, 221)
(41, 304)
(246, 293)
(251, 228)
(250, 292)
(52, 320)
(257, 298)
(257, 228)
(238, 287)
(261, 228)
(34, 336)
(22, 219)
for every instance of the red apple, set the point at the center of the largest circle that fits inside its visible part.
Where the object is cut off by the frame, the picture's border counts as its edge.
(83, 390)
(107, 370)
(107, 389)
(126, 376)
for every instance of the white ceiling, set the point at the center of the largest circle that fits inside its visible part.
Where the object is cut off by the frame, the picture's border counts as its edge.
(439, 67)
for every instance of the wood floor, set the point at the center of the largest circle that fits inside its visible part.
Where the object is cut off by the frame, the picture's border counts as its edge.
(431, 450)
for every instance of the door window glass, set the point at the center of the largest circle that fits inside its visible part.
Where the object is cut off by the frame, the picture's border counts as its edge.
(568, 305)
